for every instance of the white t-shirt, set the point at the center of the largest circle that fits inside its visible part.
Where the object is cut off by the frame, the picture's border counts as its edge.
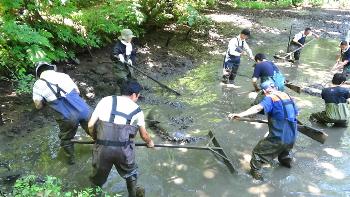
(300, 35)
(41, 90)
(124, 105)
(237, 42)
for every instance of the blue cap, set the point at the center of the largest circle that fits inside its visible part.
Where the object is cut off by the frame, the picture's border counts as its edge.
(266, 84)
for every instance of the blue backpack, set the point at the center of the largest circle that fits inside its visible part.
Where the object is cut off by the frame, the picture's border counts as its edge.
(278, 78)
(71, 106)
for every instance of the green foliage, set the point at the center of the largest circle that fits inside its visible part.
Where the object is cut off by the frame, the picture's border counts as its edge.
(32, 31)
(32, 186)
(195, 20)
(262, 4)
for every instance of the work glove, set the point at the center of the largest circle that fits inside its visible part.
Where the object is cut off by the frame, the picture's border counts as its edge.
(130, 62)
(121, 58)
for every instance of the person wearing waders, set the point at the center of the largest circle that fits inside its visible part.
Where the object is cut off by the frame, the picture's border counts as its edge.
(236, 47)
(118, 120)
(265, 70)
(124, 52)
(344, 60)
(336, 99)
(298, 41)
(281, 112)
(58, 91)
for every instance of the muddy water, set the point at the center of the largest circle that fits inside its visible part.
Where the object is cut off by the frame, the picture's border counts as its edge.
(318, 170)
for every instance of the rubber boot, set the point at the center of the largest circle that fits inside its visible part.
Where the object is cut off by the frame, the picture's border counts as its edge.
(69, 149)
(140, 191)
(131, 185)
(256, 175)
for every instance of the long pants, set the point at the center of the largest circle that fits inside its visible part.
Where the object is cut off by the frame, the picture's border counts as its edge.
(297, 53)
(123, 73)
(103, 159)
(232, 73)
(268, 149)
(322, 117)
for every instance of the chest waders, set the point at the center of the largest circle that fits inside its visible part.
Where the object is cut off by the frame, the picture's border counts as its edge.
(295, 46)
(231, 63)
(273, 145)
(115, 146)
(346, 69)
(71, 110)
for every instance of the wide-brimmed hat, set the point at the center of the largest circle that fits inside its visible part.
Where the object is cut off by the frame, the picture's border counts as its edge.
(126, 34)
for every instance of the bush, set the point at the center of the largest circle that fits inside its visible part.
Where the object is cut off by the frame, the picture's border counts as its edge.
(194, 20)
(33, 186)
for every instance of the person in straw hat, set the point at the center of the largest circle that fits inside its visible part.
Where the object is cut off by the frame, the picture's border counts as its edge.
(124, 54)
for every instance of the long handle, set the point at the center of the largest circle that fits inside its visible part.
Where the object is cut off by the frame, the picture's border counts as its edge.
(161, 84)
(158, 145)
(311, 132)
(288, 54)
(290, 33)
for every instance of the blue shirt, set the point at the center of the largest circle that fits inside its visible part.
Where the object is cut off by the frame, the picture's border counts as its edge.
(264, 69)
(335, 95)
(282, 116)
(346, 56)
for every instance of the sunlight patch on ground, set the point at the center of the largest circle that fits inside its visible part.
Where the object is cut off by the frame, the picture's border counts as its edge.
(209, 173)
(332, 171)
(245, 160)
(333, 152)
(232, 18)
(181, 167)
(260, 190)
(313, 189)
(176, 180)
(216, 52)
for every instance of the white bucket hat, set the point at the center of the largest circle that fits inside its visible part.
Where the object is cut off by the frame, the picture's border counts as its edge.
(126, 34)
(39, 64)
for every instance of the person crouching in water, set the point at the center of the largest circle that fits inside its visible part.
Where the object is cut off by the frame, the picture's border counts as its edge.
(118, 120)
(335, 98)
(281, 112)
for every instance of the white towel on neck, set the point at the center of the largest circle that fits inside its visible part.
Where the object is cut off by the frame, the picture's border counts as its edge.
(128, 47)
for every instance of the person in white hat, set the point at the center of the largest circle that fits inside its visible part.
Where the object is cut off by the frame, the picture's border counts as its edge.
(124, 53)
(59, 92)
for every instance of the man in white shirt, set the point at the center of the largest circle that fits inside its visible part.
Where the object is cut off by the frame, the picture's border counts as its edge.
(236, 47)
(299, 41)
(118, 118)
(343, 61)
(60, 92)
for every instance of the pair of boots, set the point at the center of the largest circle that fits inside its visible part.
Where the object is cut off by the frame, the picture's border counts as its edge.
(285, 161)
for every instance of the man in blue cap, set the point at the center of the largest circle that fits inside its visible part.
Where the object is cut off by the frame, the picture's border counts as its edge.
(281, 112)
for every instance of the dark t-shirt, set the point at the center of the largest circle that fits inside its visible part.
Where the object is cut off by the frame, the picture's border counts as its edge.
(264, 69)
(335, 95)
(346, 56)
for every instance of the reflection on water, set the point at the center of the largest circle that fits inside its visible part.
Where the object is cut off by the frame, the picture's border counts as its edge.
(318, 169)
